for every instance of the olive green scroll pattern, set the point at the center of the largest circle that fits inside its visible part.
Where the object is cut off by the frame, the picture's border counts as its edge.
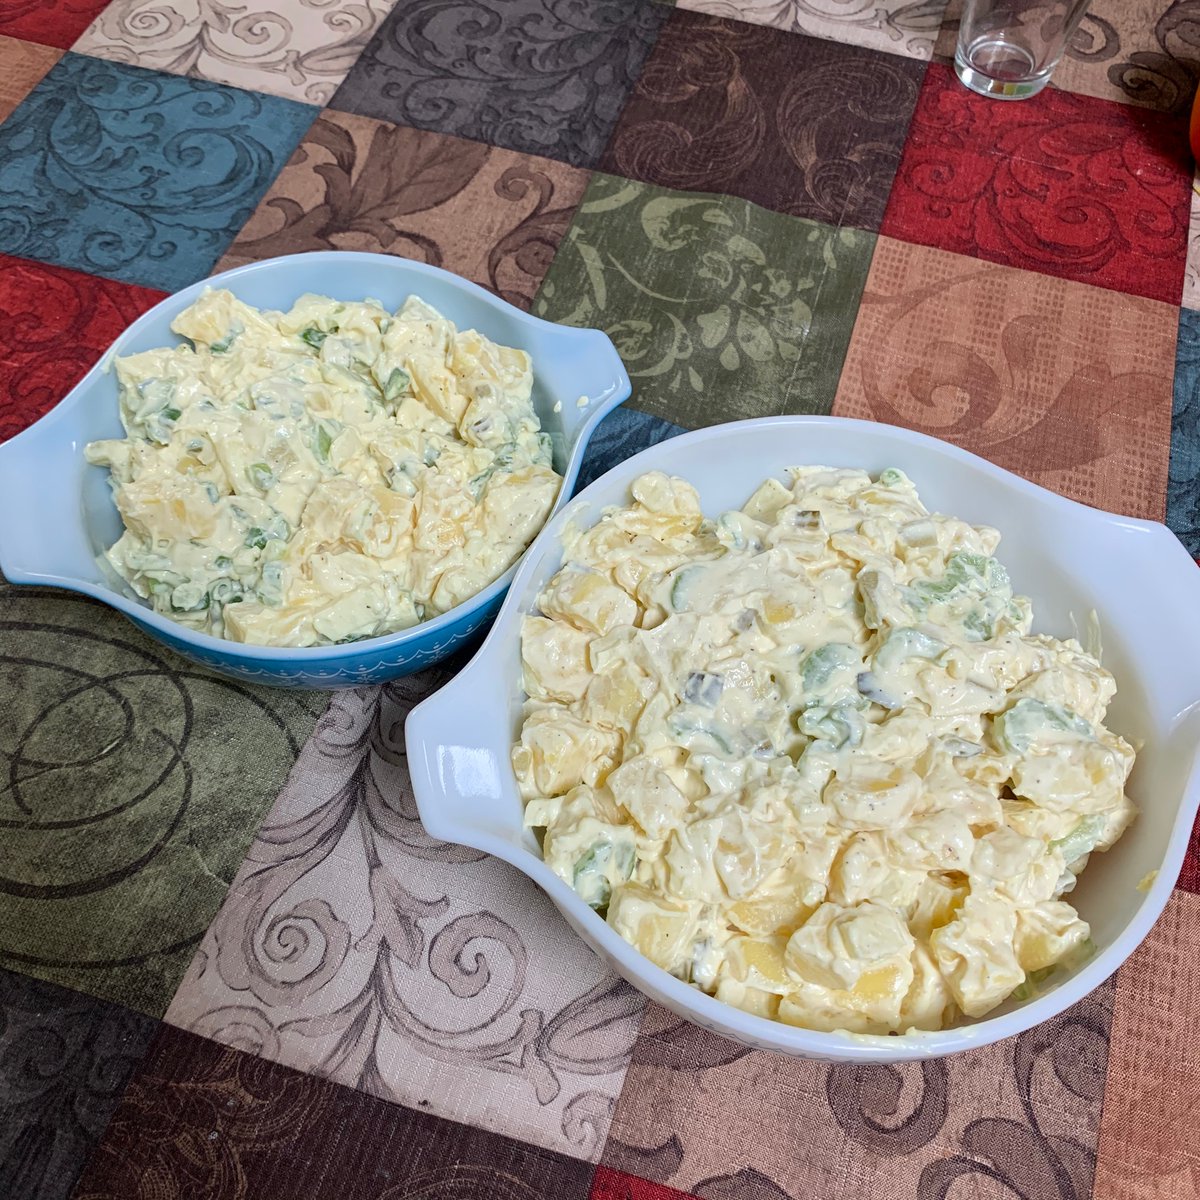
(720, 309)
(131, 786)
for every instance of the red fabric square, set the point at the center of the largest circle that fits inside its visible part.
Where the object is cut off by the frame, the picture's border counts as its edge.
(56, 324)
(1063, 184)
(608, 1184)
(51, 22)
(1189, 875)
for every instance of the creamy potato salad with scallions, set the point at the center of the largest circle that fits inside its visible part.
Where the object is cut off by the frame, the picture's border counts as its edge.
(322, 475)
(809, 756)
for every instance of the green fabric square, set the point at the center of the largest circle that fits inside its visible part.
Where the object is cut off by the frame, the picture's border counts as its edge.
(720, 309)
(133, 785)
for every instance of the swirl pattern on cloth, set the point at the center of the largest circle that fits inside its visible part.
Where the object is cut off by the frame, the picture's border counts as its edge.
(1066, 185)
(809, 128)
(64, 1061)
(357, 184)
(719, 309)
(56, 339)
(201, 1119)
(300, 50)
(545, 77)
(136, 175)
(908, 27)
(961, 350)
(910, 1122)
(347, 948)
(48, 22)
(130, 786)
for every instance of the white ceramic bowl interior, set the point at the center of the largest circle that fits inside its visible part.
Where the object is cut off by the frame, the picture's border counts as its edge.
(1070, 559)
(578, 378)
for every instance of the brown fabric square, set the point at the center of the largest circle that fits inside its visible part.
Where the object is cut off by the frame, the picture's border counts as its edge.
(1065, 384)
(1148, 1147)
(201, 1121)
(718, 1120)
(355, 183)
(22, 65)
(796, 124)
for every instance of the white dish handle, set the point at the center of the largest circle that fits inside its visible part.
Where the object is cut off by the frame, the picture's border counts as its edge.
(1135, 556)
(457, 775)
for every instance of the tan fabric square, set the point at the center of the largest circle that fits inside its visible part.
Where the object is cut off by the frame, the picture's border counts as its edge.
(1065, 384)
(301, 49)
(1191, 276)
(898, 26)
(353, 946)
(1148, 1147)
(22, 65)
(355, 183)
(1018, 1118)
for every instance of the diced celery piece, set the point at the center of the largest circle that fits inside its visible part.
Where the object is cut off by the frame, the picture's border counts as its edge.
(261, 476)
(976, 574)
(590, 876)
(1081, 839)
(703, 688)
(835, 725)
(396, 385)
(684, 726)
(906, 643)
(1017, 728)
(820, 665)
(1030, 987)
(869, 686)
(683, 582)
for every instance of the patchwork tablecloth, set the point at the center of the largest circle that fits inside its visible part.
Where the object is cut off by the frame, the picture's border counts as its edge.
(232, 963)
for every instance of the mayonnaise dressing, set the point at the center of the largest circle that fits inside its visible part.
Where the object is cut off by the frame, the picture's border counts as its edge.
(809, 757)
(327, 474)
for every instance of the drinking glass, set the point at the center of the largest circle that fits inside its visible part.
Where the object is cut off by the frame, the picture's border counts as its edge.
(1009, 48)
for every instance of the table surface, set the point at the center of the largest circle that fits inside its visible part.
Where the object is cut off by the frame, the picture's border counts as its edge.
(232, 964)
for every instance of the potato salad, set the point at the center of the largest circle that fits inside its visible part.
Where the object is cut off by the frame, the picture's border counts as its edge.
(327, 474)
(809, 756)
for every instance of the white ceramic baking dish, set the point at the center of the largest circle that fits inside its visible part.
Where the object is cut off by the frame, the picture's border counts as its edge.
(1070, 559)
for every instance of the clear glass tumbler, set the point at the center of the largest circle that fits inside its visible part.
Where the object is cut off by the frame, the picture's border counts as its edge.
(1009, 48)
